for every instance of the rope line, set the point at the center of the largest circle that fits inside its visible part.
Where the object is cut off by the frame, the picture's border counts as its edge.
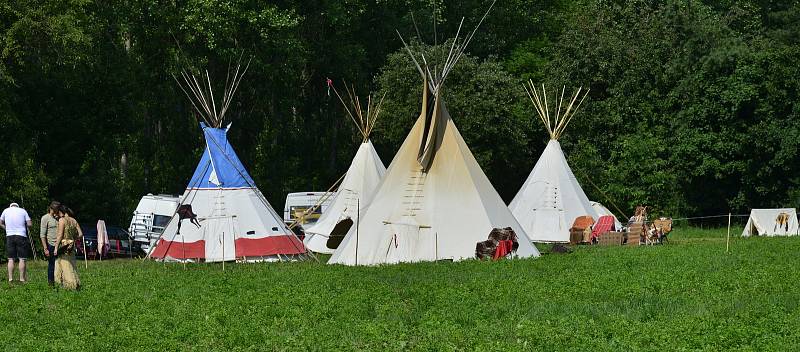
(711, 216)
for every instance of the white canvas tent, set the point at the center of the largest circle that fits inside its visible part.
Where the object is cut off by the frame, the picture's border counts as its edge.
(222, 215)
(601, 210)
(434, 202)
(771, 222)
(551, 198)
(357, 188)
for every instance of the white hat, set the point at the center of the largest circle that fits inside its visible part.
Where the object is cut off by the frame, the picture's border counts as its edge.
(13, 205)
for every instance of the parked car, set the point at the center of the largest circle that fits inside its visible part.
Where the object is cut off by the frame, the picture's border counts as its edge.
(121, 244)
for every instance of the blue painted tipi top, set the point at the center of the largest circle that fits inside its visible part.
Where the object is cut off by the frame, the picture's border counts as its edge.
(219, 167)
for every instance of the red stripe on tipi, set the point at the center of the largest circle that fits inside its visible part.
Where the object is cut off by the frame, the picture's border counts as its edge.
(257, 247)
(180, 250)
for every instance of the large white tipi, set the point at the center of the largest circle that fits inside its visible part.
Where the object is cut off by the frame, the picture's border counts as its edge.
(551, 198)
(222, 215)
(358, 186)
(435, 202)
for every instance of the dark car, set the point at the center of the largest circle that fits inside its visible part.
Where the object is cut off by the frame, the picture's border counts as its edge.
(120, 243)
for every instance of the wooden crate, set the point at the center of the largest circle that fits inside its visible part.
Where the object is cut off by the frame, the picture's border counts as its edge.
(575, 236)
(610, 239)
(634, 235)
(633, 239)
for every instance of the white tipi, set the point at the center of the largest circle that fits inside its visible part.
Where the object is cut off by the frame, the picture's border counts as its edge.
(435, 202)
(358, 186)
(551, 198)
(771, 222)
(222, 215)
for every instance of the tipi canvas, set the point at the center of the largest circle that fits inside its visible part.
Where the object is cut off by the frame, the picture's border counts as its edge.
(551, 198)
(435, 202)
(222, 215)
(771, 222)
(357, 188)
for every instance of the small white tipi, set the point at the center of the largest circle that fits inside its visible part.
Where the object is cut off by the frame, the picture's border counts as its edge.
(358, 186)
(434, 202)
(771, 222)
(222, 215)
(551, 198)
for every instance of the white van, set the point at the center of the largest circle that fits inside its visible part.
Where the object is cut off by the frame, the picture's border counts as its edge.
(151, 217)
(297, 203)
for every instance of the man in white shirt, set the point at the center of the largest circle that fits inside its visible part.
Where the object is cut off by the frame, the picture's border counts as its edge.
(16, 222)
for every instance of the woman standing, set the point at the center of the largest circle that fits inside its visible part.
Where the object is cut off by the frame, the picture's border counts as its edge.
(69, 233)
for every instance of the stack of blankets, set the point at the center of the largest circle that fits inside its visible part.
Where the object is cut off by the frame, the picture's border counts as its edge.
(501, 243)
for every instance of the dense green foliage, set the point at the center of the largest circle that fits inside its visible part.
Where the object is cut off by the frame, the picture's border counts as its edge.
(688, 295)
(684, 94)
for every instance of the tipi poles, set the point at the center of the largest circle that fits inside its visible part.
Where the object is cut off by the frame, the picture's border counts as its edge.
(318, 204)
(557, 124)
(202, 93)
(355, 111)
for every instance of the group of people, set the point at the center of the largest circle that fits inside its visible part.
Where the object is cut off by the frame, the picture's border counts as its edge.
(59, 234)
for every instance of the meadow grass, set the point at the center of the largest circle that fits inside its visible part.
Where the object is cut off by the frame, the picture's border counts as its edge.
(687, 295)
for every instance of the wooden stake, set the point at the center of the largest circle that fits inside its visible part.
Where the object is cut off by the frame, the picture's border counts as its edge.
(728, 241)
(183, 239)
(358, 222)
(85, 258)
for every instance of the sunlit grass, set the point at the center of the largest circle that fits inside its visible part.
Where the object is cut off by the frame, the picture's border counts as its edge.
(689, 294)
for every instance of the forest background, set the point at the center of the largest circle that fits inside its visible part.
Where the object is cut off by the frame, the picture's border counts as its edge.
(692, 109)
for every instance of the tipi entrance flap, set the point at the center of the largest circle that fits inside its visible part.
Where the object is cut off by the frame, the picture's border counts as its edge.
(409, 242)
(219, 234)
(337, 234)
(436, 121)
(548, 223)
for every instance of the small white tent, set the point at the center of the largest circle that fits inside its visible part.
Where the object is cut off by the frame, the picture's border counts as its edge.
(358, 186)
(551, 199)
(601, 210)
(222, 215)
(434, 202)
(771, 222)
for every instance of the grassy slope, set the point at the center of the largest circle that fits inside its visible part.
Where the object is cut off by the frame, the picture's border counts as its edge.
(686, 295)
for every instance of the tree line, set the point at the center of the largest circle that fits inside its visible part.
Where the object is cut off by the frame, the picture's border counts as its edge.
(692, 107)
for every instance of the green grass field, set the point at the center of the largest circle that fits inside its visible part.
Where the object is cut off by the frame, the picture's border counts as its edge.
(687, 295)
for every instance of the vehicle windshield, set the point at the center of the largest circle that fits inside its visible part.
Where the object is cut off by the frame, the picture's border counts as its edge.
(160, 222)
(298, 210)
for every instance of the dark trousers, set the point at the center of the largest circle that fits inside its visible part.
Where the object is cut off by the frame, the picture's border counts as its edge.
(51, 264)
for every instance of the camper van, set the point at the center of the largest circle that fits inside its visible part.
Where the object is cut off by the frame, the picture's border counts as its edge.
(299, 202)
(151, 217)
